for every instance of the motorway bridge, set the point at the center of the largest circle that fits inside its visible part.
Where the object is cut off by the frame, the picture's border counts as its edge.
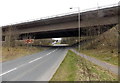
(42, 66)
(67, 25)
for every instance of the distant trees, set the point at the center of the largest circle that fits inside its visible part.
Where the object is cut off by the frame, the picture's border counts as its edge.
(69, 40)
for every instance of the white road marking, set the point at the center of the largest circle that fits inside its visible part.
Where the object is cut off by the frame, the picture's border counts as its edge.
(42, 57)
(35, 60)
(52, 51)
(24, 64)
(49, 53)
(8, 71)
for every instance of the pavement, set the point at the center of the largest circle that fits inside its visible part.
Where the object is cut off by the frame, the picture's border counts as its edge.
(107, 66)
(36, 67)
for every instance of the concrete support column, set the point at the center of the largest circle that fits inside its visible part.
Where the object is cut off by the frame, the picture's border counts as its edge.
(9, 41)
(10, 37)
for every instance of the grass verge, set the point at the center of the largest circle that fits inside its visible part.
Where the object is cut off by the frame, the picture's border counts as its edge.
(104, 55)
(16, 52)
(76, 68)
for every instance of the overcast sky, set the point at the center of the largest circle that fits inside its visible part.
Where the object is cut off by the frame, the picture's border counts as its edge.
(16, 11)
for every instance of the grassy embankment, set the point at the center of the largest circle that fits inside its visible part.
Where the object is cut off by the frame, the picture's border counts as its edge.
(16, 52)
(76, 68)
(103, 55)
(104, 47)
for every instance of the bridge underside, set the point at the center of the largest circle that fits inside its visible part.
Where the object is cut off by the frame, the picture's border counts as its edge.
(89, 31)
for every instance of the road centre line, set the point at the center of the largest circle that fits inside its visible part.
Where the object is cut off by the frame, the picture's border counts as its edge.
(35, 60)
(24, 64)
(41, 57)
(8, 71)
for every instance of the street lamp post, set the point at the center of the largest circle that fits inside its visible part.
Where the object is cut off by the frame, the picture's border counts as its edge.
(78, 26)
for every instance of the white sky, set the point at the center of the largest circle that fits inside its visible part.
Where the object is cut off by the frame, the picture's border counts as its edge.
(56, 38)
(15, 11)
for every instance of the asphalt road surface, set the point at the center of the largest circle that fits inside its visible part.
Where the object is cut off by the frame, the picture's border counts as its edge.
(37, 67)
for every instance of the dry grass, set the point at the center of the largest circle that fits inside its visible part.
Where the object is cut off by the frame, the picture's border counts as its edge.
(16, 52)
(76, 68)
(104, 47)
(108, 39)
(104, 55)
